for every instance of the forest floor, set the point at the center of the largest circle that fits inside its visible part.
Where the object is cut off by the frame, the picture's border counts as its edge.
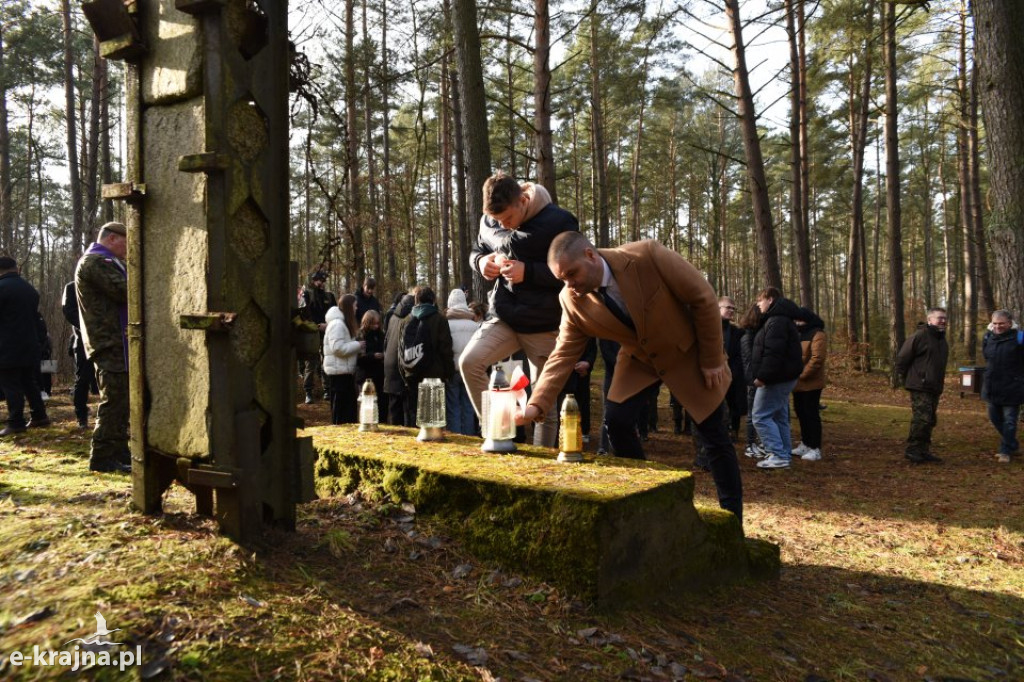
(891, 571)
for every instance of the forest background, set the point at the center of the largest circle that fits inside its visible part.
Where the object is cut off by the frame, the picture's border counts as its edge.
(835, 149)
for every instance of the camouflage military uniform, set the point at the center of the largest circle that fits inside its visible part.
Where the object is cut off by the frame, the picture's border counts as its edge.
(101, 284)
(923, 408)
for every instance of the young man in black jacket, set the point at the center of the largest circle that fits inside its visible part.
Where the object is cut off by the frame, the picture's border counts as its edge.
(776, 363)
(517, 227)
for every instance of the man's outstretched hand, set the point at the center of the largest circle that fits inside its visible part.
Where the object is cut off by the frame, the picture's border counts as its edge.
(530, 414)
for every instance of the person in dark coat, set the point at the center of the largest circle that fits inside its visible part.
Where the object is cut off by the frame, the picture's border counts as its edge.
(85, 374)
(921, 362)
(441, 362)
(370, 365)
(807, 394)
(518, 226)
(314, 302)
(394, 385)
(1003, 388)
(386, 317)
(736, 398)
(776, 363)
(365, 300)
(750, 323)
(20, 350)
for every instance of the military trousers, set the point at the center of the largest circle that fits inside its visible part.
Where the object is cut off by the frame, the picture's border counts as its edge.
(923, 407)
(110, 437)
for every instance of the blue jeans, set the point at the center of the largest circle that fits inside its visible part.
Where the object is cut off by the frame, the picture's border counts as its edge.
(771, 418)
(1004, 418)
(458, 407)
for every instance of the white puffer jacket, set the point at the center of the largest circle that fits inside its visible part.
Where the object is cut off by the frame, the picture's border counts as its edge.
(340, 349)
(461, 322)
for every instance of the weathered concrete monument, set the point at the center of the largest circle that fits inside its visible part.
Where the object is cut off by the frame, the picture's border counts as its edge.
(210, 336)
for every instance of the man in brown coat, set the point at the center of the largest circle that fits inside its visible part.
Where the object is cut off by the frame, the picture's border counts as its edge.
(665, 316)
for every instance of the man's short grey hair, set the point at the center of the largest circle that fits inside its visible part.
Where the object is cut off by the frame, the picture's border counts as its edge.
(936, 311)
(568, 245)
(1005, 314)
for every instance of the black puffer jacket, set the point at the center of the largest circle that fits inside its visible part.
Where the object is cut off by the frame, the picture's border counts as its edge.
(532, 305)
(1004, 375)
(776, 353)
(922, 360)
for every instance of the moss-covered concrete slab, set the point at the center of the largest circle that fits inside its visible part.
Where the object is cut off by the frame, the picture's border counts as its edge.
(611, 530)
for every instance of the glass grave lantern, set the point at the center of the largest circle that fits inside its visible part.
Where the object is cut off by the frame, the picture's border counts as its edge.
(368, 413)
(570, 435)
(498, 415)
(430, 410)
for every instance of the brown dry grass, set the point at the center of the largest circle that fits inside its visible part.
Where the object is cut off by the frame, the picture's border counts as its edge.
(891, 572)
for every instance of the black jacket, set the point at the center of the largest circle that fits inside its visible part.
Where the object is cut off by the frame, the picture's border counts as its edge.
(532, 305)
(365, 303)
(1004, 375)
(442, 366)
(393, 382)
(737, 396)
(19, 314)
(776, 355)
(747, 353)
(367, 366)
(922, 360)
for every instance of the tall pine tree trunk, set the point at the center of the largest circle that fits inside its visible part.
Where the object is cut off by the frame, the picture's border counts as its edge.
(963, 156)
(389, 219)
(6, 210)
(476, 142)
(74, 170)
(897, 328)
(752, 146)
(998, 26)
(354, 213)
(601, 210)
(987, 299)
(542, 99)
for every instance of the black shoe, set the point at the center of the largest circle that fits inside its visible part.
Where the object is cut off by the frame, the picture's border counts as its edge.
(39, 423)
(11, 430)
(327, 396)
(678, 429)
(125, 457)
(110, 466)
(919, 458)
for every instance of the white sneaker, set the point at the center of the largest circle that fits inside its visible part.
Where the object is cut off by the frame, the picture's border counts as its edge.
(800, 450)
(811, 454)
(44, 395)
(773, 462)
(756, 451)
(586, 440)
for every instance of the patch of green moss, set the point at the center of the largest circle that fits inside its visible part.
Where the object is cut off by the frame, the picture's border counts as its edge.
(612, 530)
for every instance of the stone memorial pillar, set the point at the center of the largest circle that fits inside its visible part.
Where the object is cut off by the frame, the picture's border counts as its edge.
(210, 340)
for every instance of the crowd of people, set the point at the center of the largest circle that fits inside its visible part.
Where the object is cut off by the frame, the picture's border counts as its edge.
(555, 302)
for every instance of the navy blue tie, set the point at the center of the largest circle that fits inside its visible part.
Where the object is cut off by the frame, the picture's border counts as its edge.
(615, 308)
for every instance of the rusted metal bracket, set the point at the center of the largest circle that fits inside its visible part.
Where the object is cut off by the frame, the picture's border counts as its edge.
(113, 22)
(212, 478)
(124, 191)
(206, 162)
(195, 7)
(208, 322)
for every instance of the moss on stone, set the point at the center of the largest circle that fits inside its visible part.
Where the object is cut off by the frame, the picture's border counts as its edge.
(611, 530)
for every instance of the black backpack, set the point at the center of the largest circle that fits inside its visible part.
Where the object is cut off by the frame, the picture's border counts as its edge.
(415, 349)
